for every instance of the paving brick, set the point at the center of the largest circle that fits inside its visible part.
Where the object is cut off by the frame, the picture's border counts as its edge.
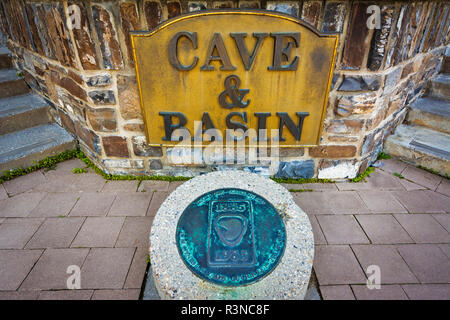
(422, 177)
(58, 183)
(64, 168)
(337, 292)
(409, 186)
(130, 294)
(50, 272)
(336, 264)
(15, 265)
(88, 182)
(135, 232)
(55, 205)
(320, 186)
(24, 183)
(392, 165)
(56, 233)
(427, 291)
(418, 201)
(157, 199)
(439, 200)
(444, 187)
(381, 202)
(106, 268)
(3, 194)
(341, 229)
(130, 204)
(137, 270)
(20, 205)
(120, 186)
(319, 238)
(383, 229)
(331, 202)
(15, 232)
(427, 261)
(153, 185)
(378, 180)
(19, 295)
(423, 228)
(66, 295)
(386, 292)
(93, 204)
(392, 267)
(444, 220)
(98, 232)
(175, 184)
(445, 248)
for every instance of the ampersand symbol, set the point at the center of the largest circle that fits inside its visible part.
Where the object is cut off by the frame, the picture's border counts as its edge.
(233, 92)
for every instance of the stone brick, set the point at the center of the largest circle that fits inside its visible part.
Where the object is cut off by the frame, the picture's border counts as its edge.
(115, 146)
(130, 22)
(103, 119)
(343, 138)
(70, 85)
(345, 126)
(106, 32)
(123, 163)
(311, 12)
(332, 151)
(33, 28)
(249, 4)
(101, 80)
(360, 83)
(357, 38)
(391, 80)
(296, 169)
(355, 104)
(291, 152)
(66, 121)
(134, 127)
(397, 36)
(222, 4)
(380, 38)
(155, 164)
(430, 36)
(83, 39)
(173, 9)
(288, 7)
(41, 25)
(334, 16)
(102, 96)
(88, 137)
(337, 169)
(153, 13)
(130, 105)
(197, 6)
(141, 148)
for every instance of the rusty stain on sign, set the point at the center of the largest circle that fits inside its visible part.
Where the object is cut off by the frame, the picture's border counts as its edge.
(234, 70)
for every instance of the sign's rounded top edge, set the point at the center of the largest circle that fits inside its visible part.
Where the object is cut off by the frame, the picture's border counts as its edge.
(260, 12)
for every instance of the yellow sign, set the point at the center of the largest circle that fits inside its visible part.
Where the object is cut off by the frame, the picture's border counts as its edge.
(234, 70)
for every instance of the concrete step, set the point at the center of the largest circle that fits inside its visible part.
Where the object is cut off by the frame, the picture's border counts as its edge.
(430, 113)
(5, 59)
(21, 112)
(11, 84)
(21, 148)
(420, 146)
(440, 86)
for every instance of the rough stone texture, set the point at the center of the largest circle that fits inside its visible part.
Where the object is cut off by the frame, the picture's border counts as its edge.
(332, 152)
(141, 149)
(337, 169)
(347, 105)
(288, 7)
(103, 119)
(130, 106)
(153, 13)
(296, 169)
(99, 80)
(130, 22)
(289, 280)
(380, 39)
(311, 12)
(102, 96)
(360, 83)
(173, 9)
(334, 16)
(115, 146)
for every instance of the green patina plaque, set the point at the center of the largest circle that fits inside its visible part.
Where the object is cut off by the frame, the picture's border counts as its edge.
(231, 237)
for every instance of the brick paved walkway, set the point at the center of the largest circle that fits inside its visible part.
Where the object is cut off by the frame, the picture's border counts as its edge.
(50, 220)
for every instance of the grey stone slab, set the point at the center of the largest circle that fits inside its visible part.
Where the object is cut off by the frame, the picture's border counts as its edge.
(444, 187)
(427, 261)
(106, 268)
(24, 183)
(19, 295)
(73, 294)
(341, 229)
(55, 233)
(55, 205)
(381, 202)
(154, 185)
(120, 186)
(422, 177)
(15, 265)
(379, 180)
(130, 204)
(157, 199)
(423, 228)
(336, 264)
(137, 270)
(392, 165)
(319, 238)
(50, 272)
(430, 105)
(98, 232)
(445, 248)
(418, 201)
(340, 292)
(16, 232)
(175, 184)
(332, 202)
(444, 220)
(427, 291)
(135, 232)
(386, 292)
(20, 205)
(8, 75)
(392, 267)
(383, 229)
(65, 168)
(128, 294)
(3, 194)
(92, 204)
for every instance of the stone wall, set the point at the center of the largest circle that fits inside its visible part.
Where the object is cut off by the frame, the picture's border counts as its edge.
(87, 75)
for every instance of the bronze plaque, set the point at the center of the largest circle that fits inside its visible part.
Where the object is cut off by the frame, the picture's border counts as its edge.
(234, 70)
